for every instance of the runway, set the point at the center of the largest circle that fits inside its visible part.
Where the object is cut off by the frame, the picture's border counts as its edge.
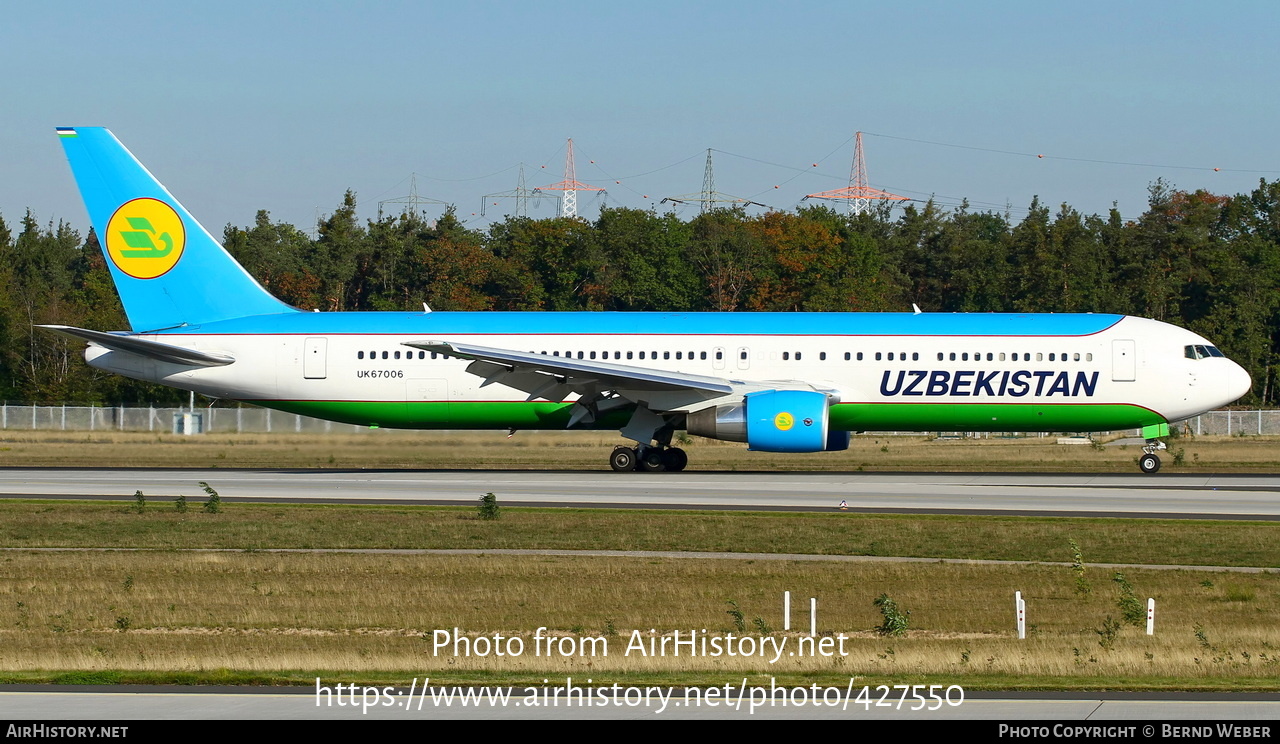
(1102, 495)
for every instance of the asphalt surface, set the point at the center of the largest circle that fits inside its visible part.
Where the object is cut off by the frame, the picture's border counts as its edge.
(1161, 495)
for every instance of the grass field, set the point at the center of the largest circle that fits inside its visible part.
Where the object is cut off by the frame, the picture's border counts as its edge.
(260, 527)
(169, 615)
(549, 450)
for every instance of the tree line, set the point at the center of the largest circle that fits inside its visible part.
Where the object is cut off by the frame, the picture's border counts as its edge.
(1206, 262)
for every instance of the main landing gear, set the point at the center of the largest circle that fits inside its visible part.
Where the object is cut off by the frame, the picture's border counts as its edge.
(1150, 462)
(648, 459)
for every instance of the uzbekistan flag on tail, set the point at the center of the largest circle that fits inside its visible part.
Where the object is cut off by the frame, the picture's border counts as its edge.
(66, 132)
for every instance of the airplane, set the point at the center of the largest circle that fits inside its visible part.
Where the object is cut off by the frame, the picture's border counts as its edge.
(780, 382)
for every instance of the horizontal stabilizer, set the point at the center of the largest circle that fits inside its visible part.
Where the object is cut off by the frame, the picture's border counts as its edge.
(143, 348)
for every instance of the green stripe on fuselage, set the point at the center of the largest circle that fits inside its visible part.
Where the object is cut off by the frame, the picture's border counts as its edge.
(989, 417)
(446, 415)
(844, 417)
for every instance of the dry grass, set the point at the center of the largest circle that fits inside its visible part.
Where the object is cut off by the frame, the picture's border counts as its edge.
(184, 612)
(386, 448)
(239, 526)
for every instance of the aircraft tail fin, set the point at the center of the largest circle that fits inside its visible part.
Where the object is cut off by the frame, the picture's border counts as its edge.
(168, 269)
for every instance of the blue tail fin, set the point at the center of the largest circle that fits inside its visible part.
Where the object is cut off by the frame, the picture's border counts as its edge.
(168, 269)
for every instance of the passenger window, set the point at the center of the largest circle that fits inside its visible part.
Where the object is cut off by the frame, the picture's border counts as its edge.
(915, 356)
(1051, 356)
(1002, 356)
(359, 355)
(628, 355)
(666, 355)
(847, 356)
(786, 355)
(877, 356)
(1088, 357)
(1039, 356)
(593, 355)
(822, 356)
(953, 356)
(797, 356)
(940, 355)
(859, 356)
(1075, 357)
(964, 357)
(385, 355)
(988, 356)
(702, 355)
(422, 355)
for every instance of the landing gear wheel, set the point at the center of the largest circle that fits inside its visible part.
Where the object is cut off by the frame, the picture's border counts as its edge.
(1148, 463)
(622, 459)
(652, 461)
(675, 459)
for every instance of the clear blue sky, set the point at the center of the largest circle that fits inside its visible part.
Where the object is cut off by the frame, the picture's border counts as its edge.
(283, 106)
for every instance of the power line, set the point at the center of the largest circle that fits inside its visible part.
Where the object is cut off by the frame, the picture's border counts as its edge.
(1041, 156)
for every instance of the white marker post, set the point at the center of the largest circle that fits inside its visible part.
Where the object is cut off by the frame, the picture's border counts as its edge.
(1020, 607)
(813, 616)
(1151, 615)
(786, 610)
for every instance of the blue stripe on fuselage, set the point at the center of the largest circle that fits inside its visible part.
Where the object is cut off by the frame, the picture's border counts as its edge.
(446, 324)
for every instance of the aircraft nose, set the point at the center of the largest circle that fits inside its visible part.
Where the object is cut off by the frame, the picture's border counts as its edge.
(1238, 382)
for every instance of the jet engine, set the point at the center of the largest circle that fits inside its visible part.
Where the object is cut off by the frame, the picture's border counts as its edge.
(772, 421)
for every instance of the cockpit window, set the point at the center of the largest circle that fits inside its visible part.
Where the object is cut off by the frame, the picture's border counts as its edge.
(1199, 351)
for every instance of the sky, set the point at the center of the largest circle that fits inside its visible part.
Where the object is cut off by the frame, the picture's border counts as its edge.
(242, 106)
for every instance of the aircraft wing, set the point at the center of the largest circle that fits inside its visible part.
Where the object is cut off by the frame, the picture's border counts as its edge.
(549, 377)
(142, 347)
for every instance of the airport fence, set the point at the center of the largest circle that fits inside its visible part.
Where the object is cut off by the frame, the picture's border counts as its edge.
(253, 420)
(174, 420)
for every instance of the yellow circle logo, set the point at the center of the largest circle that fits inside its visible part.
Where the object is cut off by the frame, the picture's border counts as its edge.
(145, 238)
(784, 421)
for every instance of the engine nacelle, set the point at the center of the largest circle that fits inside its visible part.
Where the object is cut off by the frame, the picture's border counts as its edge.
(786, 421)
(772, 421)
